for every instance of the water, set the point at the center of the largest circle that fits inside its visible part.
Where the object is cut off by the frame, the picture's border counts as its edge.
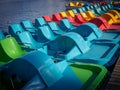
(14, 11)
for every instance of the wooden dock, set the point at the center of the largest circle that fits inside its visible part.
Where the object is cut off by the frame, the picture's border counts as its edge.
(114, 82)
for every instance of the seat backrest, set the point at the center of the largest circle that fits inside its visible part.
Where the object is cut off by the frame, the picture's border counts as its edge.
(56, 17)
(1, 35)
(108, 18)
(84, 15)
(81, 4)
(98, 5)
(87, 8)
(103, 8)
(71, 4)
(71, 19)
(93, 28)
(89, 32)
(89, 13)
(79, 18)
(95, 6)
(27, 25)
(92, 7)
(75, 11)
(106, 7)
(11, 48)
(54, 26)
(27, 40)
(113, 17)
(83, 8)
(45, 34)
(77, 3)
(106, 24)
(35, 65)
(14, 29)
(80, 10)
(70, 13)
(101, 23)
(109, 6)
(115, 13)
(68, 40)
(47, 18)
(63, 14)
(40, 22)
(65, 24)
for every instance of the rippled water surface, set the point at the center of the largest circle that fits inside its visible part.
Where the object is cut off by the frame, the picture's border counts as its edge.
(14, 11)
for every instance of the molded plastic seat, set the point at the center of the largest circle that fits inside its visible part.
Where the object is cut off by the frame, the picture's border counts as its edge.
(56, 17)
(47, 18)
(10, 49)
(84, 9)
(91, 7)
(108, 36)
(74, 21)
(111, 7)
(90, 14)
(28, 26)
(45, 34)
(55, 28)
(27, 40)
(79, 51)
(71, 17)
(75, 11)
(110, 18)
(70, 13)
(61, 75)
(103, 24)
(115, 13)
(87, 8)
(40, 22)
(14, 29)
(71, 4)
(106, 7)
(80, 10)
(99, 11)
(79, 18)
(66, 25)
(103, 8)
(85, 16)
(1, 35)
(63, 14)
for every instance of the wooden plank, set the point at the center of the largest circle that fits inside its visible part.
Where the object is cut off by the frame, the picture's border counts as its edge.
(114, 82)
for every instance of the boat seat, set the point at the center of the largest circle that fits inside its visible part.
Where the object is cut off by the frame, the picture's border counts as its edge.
(85, 16)
(56, 17)
(55, 28)
(40, 22)
(90, 14)
(63, 14)
(45, 34)
(66, 25)
(88, 54)
(1, 35)
(37, 65)
(10, 49)
(28, 26)
(70, 13)
(47, 18)
(26, 39)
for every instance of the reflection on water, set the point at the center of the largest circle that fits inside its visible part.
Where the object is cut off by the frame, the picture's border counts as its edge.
(14, 11)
